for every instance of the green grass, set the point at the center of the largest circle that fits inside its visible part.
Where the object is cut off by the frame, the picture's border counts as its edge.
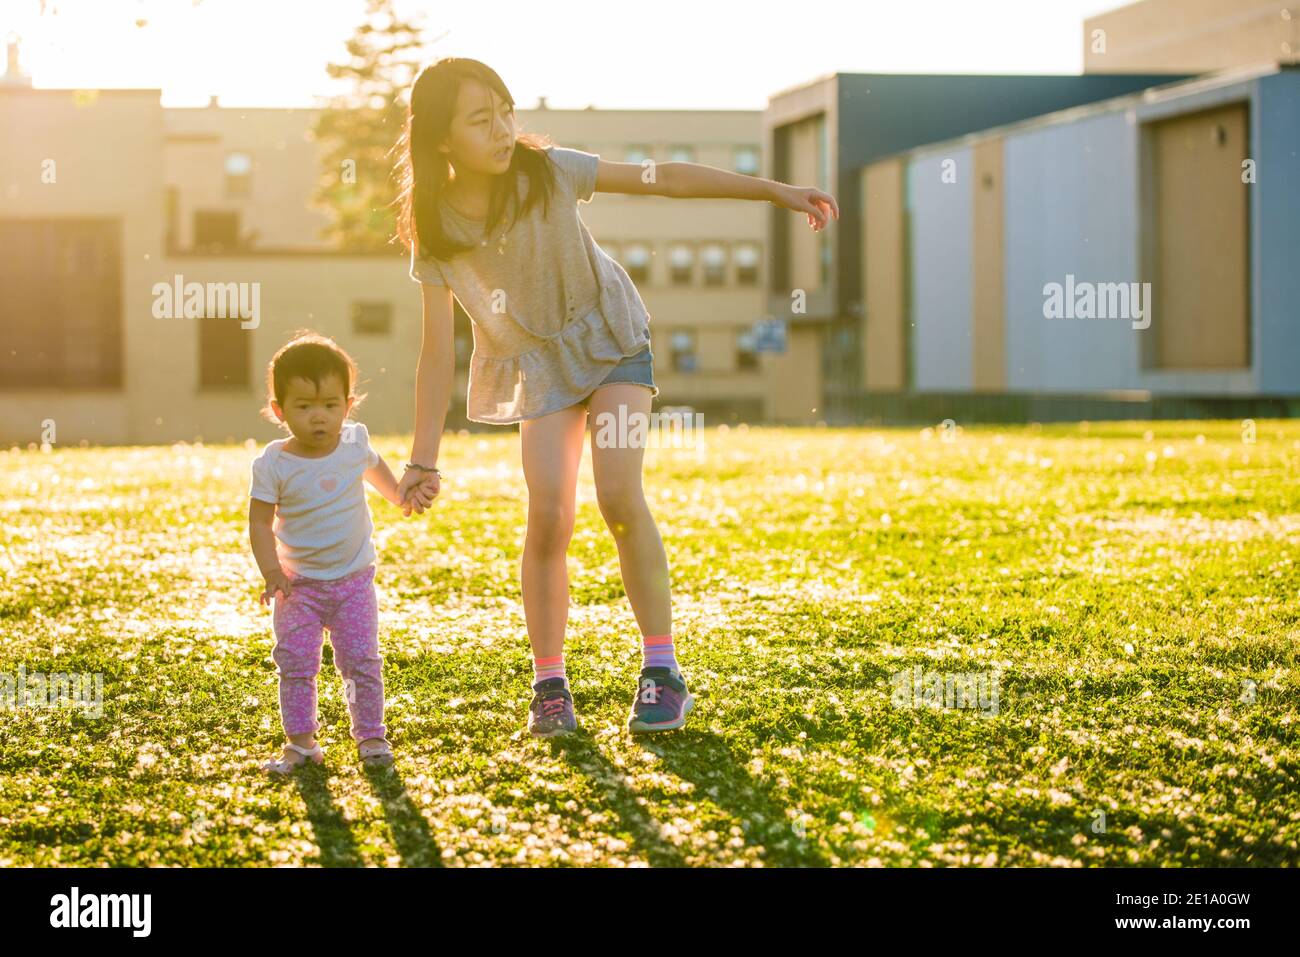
(1125, 587)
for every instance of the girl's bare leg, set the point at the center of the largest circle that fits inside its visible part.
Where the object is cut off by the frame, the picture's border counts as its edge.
(617, 472)
(551, 447)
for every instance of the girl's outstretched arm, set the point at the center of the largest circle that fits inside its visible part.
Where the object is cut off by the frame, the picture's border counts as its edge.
(696, 181)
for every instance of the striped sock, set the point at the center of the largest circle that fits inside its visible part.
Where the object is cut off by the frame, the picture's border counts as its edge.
(657, 651)
(544, 668)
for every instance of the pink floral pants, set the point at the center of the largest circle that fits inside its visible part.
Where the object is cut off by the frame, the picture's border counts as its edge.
(347, 607)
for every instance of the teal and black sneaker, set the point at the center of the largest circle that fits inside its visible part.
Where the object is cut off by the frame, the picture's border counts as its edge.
(662, 701)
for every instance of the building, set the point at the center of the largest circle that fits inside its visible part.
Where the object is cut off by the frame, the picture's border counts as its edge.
(1191, 36)
(1173, 214)
(111, 201)
(824, 134)
(929, 297)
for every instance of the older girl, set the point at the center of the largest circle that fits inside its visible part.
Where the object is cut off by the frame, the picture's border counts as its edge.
(490, 216)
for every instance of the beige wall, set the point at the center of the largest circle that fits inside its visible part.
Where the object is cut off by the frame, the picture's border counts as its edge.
(106, 148)
(1192, 36)
(806, 163)
(798, 398)
(884, 253)
(988, 298)
(286, 168)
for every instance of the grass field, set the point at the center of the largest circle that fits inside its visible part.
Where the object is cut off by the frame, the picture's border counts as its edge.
(1132, 587)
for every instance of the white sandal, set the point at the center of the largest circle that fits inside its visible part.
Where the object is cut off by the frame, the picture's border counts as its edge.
(315, 754)
(376, 755)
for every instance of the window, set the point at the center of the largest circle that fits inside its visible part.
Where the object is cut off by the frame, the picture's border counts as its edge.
(637, 262)
(681, 154)
(745, 160)
(225, 353)
(216, 232)
(60, 304)
(715, 264)
(681, 259)
(372, 318)
(747, 264)
(171, 209)
(239, 174)
(683, 350)
(746, 351)
(636, 154)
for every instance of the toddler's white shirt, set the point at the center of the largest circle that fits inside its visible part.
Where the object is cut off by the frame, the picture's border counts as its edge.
(322, 520)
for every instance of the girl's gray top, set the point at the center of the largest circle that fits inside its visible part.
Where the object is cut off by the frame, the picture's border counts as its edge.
(552, 313)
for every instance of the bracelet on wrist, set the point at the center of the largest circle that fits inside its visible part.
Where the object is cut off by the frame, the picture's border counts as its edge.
(423, 468)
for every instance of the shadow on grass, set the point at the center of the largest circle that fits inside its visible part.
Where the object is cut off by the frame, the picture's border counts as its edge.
(580, 750)
(410, 830)
(333, 835)
(706, 760)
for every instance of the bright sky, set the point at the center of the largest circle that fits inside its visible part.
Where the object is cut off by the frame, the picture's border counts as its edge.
(620, 54)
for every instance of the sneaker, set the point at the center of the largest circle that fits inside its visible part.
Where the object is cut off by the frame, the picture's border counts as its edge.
(662, 701)
(551, 710)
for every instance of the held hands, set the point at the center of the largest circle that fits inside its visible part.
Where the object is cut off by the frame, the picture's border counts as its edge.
(417, 490)
(805, 199)
(276, 581)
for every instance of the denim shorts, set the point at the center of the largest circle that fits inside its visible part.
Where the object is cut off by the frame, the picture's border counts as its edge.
(638, 369)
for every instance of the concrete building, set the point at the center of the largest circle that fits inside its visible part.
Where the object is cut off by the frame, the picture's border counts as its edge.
(932, 303)
(107, 195)
(824, 134)
(1191, 36)
(1186, 195)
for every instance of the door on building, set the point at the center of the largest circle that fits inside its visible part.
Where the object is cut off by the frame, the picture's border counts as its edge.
(1197, 227)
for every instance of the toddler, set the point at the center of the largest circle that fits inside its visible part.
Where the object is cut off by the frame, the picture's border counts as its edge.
(310, 530)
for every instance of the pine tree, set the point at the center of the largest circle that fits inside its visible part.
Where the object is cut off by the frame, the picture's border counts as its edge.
(357, 130)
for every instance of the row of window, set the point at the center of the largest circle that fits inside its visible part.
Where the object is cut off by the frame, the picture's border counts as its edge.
(683, 358)
(689, 263)
(61, 316)
(376, 318)
(744, 159)
(238, 166)
(225, 350)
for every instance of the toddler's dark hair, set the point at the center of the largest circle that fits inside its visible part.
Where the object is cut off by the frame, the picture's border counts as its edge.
(311, 356)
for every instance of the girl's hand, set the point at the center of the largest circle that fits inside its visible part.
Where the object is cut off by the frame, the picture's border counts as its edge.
(417, 490)
(276, 582)
(805, 199)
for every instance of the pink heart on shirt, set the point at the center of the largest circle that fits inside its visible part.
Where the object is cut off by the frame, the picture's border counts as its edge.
(329, 484)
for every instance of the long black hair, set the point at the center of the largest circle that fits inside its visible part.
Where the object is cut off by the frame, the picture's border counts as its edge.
(423, 170)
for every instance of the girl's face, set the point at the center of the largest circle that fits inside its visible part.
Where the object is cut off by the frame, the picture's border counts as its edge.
(314, 414)
(482, 135)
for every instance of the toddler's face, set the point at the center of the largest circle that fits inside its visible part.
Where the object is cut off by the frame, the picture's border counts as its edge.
(315, 414)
